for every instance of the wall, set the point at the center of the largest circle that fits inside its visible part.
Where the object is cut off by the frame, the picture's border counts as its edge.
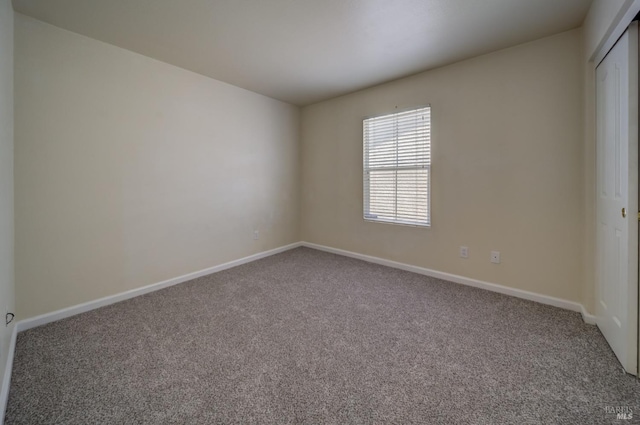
(6, 187)
(130, 171)
(6, 182)
(507, 168)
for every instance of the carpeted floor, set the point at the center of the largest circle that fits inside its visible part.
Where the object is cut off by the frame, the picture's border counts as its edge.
(310, 337)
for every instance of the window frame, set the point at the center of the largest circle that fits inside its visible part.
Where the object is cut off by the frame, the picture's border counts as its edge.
(428, 166)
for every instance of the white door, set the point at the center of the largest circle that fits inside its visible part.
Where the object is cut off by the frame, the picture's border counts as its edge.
(617, 198)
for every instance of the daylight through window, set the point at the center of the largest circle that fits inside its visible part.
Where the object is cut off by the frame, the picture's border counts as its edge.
(397, 167)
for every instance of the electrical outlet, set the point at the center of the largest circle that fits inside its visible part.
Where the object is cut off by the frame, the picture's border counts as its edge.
(256, 235)
(495, 257)
(464, 252)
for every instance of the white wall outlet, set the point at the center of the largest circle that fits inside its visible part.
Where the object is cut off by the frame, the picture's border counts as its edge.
(464, 252)
(495, 257)
(256, 235)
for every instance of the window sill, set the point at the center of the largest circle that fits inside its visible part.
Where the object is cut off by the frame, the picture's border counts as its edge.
(399, 223)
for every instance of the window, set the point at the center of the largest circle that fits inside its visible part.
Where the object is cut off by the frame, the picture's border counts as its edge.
(397, 167)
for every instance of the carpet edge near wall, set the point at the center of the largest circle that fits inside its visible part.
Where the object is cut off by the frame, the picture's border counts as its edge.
(54, 316)
(463, 280)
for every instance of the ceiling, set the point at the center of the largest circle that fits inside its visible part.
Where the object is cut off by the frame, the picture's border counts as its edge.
(305, 51)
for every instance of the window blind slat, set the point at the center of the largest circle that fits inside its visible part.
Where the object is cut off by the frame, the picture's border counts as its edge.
(397, 162)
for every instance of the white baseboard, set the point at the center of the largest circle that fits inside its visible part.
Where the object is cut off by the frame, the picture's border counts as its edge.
(587, 317)
(91, 305)
(518, 293)
(6, 380)
(33, 322)
(101, 302)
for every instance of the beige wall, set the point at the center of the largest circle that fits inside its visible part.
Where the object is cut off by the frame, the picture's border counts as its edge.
(6, 181)
(130, 171)
(507, 168)
(126, 168)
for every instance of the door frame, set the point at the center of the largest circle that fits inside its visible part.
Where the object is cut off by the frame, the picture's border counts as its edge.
(633, 301)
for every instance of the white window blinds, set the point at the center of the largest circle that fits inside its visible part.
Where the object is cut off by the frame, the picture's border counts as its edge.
(397, 161)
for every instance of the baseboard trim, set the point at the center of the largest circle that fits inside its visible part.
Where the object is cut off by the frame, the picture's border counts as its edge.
(587, 317)
(92, 305)
(43, 319)
(494, 287)
(54, 316)
(6, 380)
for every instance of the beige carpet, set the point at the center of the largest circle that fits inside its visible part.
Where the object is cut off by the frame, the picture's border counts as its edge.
(309, 337)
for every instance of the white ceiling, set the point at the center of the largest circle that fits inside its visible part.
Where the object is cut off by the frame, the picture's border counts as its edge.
(305, 51)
